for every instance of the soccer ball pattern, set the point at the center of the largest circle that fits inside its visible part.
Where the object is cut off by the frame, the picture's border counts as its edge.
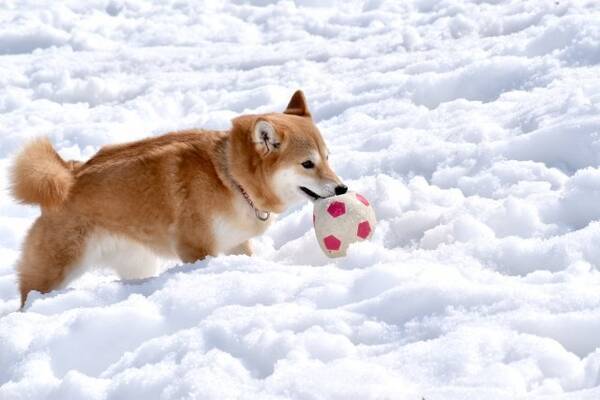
(342, 220)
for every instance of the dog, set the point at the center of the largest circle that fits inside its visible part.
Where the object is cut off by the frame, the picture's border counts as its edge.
(185, 195)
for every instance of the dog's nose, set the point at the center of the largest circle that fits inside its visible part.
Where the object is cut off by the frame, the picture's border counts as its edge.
(340, 189)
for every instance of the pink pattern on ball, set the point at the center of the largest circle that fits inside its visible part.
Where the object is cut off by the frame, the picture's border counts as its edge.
(332, 243)
(336, 209)
(362, 199)
(364, 229)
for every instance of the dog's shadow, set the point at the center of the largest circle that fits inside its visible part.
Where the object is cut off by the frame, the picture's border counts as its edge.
(116, 291)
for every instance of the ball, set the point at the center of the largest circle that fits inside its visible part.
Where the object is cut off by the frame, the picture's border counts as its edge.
(342, 220)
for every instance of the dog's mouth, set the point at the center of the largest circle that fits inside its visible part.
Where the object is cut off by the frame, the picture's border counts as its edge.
(311, 195)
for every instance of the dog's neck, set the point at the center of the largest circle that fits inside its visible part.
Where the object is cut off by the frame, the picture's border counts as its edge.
(224, 172)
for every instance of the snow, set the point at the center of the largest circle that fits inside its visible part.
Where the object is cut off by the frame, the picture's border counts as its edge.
(473, 128)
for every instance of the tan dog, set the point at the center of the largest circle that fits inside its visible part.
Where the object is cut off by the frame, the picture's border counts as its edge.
(186, 194)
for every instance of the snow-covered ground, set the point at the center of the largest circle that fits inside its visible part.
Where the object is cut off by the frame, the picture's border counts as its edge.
(473, 127)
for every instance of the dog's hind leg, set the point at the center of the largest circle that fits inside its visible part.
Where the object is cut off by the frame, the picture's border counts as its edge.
(51, 251)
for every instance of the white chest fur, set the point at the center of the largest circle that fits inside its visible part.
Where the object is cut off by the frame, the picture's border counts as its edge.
(232, 229)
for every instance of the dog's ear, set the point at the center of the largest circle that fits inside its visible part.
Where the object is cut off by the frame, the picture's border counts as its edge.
(265, 138)
(297, 105)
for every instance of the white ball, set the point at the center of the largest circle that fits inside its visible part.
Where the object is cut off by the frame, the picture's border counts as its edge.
(342, 220)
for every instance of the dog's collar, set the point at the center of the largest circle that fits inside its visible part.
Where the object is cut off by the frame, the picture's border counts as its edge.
(260, 214)
(226, 177)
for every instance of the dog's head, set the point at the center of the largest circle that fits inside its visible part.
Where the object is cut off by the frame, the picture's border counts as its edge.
(281, 158)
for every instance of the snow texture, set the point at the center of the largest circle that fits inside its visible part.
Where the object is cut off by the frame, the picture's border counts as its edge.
(473, 127)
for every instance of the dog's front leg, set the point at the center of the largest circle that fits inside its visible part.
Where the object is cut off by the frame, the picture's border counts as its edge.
(241, 249)
(189, 253)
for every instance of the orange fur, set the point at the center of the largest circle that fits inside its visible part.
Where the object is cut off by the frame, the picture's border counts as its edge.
(40, 176)
(175, 194)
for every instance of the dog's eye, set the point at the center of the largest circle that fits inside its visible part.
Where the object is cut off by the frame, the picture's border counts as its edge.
(308, 164)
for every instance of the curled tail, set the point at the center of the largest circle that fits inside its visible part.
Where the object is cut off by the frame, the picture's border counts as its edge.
(40, 176)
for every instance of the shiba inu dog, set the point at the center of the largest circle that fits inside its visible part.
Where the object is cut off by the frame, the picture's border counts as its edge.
(186, 194)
